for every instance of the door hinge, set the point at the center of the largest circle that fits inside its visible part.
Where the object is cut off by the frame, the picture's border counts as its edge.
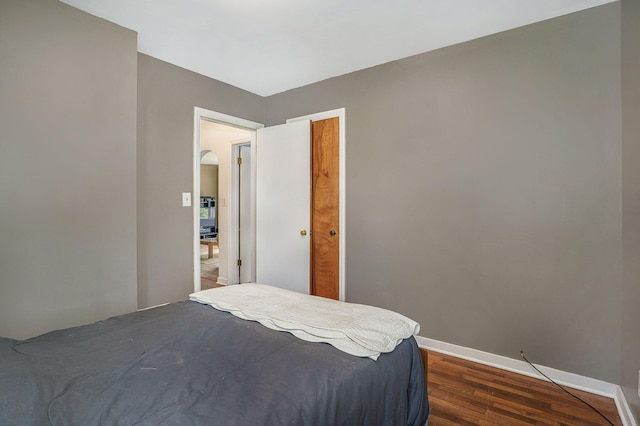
(239, 262)
(239, 160)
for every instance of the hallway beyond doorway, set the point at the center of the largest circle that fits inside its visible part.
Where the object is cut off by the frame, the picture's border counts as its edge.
(209, 266)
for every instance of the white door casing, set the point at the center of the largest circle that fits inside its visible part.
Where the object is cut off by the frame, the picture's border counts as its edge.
(201, 113)
(283, 198)
(231, 241)
(245, 240)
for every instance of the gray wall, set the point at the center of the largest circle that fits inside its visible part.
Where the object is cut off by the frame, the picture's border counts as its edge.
(166, 97)
(497, 218)
(631, 201)
(67, 168)
(496, 222)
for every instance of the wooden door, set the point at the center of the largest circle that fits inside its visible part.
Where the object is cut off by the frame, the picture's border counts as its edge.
(325, 208)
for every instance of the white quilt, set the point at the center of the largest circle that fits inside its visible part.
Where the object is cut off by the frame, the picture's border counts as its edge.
(359, 330)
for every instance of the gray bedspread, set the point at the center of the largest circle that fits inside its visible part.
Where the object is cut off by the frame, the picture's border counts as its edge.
(188, 364)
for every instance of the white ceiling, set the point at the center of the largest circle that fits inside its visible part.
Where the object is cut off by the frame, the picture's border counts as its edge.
(269, 46)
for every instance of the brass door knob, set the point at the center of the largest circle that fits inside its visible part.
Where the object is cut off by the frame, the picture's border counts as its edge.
(303, 232)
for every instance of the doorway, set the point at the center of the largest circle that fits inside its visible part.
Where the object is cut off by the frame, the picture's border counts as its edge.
(220, 134)
(228, 206)
(208, 202)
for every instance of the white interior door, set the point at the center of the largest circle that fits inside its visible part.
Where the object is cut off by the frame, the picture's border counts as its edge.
(283, 198)
(244, 214)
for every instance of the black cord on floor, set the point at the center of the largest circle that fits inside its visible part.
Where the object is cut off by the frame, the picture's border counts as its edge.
(565, 390)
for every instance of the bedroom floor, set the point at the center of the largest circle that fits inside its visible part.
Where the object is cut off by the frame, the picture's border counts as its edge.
(209, 268)
(466, 393)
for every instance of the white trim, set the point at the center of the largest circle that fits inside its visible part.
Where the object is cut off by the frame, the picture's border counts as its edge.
(234, 215)
(199, 114)
(152, 307)
(254, 180)
(576, 381)
(623, 408)
(340, 113)
(227, 119)
(196, 190)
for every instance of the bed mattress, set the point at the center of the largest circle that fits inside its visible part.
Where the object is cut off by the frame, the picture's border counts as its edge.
(189, 364)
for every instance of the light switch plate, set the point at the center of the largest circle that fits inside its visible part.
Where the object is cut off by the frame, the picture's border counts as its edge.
(186, 199)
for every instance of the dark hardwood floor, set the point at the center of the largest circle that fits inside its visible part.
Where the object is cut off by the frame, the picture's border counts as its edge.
(466, 393)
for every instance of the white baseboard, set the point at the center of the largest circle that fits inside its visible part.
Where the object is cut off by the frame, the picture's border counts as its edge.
(221, 280)
(576, 381)
(623, 408)
(154, 306)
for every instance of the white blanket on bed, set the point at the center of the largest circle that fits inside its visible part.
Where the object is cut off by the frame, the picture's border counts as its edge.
(360, 330)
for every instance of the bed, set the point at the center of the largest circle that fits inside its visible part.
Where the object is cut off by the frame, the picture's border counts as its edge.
(189, 363)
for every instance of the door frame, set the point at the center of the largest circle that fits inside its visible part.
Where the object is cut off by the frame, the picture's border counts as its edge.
(234, 209)
(232, 243)
(339, 113)
(202, 113)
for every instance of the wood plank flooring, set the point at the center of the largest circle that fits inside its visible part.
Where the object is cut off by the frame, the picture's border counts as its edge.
(208, 268)
(466, 393)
